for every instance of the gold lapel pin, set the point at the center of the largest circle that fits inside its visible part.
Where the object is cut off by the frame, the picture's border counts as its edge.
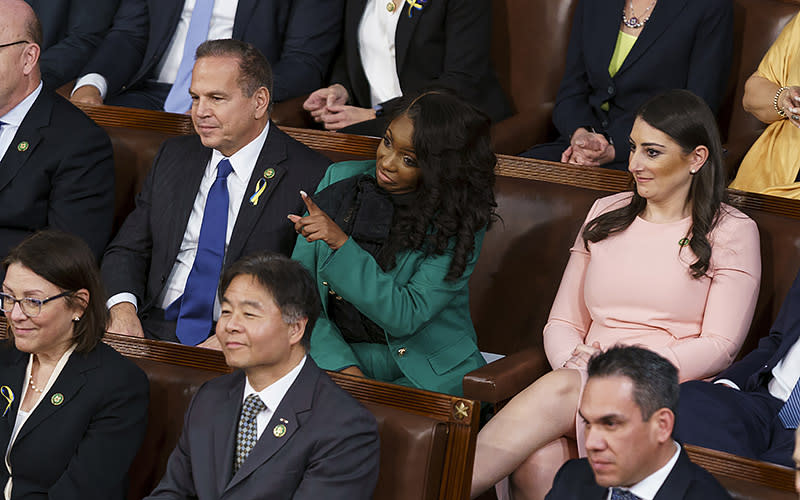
(279, 431)
(23, 146)
(269, 173)
(57, 399)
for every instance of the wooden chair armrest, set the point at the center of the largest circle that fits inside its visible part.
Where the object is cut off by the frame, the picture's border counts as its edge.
(501, 380)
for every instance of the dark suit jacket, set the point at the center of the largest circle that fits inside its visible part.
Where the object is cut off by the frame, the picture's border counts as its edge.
(64, 179)
(72, 29)
(141, 256)
(83, 447)
(446, 44)
(685, 45)
(298, 38)
(575, 480)
(329, 451)
(755, 369)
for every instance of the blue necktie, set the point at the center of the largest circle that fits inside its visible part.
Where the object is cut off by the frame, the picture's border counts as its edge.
(790, 413)
(197, 304)
(178, 100)
(620, 494)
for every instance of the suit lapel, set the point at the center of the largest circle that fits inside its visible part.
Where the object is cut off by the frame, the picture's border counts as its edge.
(12, 376)
(677, 482)
(68, 384)
(18, 151)
(600, 33)
(291, 413)
(662, 17)
(272, 155)
(405, 31)
(223, 433)
(186, 180)
(244, 12)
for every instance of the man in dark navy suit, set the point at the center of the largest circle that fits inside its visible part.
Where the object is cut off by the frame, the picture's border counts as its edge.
(298, 39)
(278, 427)
(629, 405)
(160, 265)
(740, 411)
(56, 168)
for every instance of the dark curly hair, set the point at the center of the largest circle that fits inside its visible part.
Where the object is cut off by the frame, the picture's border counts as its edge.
(686, 119)
(455, 196)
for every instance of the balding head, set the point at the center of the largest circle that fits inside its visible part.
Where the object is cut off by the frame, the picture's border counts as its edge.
(21, 32)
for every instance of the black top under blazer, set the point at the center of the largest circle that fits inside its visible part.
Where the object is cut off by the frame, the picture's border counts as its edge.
(685, 45)
(82, 448)
(446, 44)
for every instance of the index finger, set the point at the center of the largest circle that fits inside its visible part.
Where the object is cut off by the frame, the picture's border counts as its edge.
(312, 207)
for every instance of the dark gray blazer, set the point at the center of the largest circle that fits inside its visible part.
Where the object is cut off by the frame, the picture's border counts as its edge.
(329, 451)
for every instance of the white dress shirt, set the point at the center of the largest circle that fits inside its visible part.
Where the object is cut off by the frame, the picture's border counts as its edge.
(647, 488)
(23, 416)
(376, 35)
(13, 119)
(243, 163)
(221, 26)
(272, 395)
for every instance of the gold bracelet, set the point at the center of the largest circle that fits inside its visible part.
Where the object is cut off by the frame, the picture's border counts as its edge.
(780, 111)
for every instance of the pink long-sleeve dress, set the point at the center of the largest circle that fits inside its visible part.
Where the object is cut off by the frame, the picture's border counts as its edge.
(635, 288)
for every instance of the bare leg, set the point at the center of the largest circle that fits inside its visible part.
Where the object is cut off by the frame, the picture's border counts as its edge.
(534, 478)
(542, 413)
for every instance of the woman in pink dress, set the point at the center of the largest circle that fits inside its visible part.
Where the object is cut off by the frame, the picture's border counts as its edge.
(668, 266)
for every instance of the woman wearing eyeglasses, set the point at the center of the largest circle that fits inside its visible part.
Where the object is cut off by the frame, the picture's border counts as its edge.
(73, 411)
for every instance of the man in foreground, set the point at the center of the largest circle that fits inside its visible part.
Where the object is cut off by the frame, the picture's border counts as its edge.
(629, 406)
(298, 435)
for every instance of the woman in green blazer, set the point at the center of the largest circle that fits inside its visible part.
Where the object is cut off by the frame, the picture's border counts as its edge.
(392, 244)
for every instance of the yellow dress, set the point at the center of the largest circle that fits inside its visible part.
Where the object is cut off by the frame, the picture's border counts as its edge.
(772, 164)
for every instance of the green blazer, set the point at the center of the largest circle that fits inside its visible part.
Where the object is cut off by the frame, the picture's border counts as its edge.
(428, 327)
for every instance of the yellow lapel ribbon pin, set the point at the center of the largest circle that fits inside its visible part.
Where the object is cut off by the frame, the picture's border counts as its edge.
(57, 399)
(23, 146)
(8, 395)
(279, 430)
(261, 186)
(415, 4)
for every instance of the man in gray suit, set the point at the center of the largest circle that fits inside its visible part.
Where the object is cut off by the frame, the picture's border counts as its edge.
(278, 427)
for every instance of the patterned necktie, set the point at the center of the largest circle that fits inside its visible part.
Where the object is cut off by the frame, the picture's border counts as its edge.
(178, 99)
(197, 304)
(621, 494)
(247, 436)
(790, 413)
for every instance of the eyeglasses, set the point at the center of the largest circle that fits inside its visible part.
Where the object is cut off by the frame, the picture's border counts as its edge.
(30, 307)
(13, 43)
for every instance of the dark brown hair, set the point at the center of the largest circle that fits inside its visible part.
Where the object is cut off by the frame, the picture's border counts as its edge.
(65, 261)
(688, 121)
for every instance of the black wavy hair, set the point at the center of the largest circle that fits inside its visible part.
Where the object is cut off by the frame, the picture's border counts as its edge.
(455, 196)
(688, 121)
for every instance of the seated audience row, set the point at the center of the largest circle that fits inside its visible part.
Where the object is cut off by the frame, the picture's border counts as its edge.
(298, 38)
(670, 267)
(401, 48)
(70, 394)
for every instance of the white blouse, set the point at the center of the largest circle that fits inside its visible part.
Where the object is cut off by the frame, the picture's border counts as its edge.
(376, 35)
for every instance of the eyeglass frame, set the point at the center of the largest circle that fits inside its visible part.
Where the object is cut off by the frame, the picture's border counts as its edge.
(33, 300)
(13, 43)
